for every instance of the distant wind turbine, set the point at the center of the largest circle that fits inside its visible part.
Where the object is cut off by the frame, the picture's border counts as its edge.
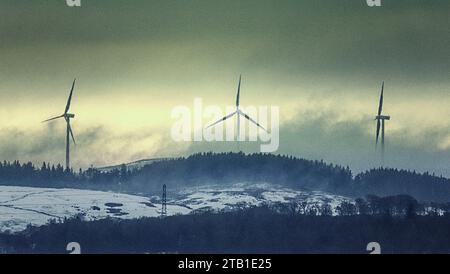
(67, 116)
(380, 122)
(238, 112)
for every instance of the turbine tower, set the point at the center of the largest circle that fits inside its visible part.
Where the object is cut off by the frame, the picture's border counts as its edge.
(380, 123)
(67, 116)
(239, 113)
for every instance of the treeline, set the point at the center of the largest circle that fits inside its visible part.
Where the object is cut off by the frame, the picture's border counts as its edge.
(371, 205)
(388, 181)
(255, 230)
(26, 174)
(199, 168)
(224, 168)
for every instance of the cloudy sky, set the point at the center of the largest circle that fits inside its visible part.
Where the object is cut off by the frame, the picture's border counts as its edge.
(321, 61)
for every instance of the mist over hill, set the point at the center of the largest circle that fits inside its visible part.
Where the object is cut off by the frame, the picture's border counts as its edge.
(228, 168)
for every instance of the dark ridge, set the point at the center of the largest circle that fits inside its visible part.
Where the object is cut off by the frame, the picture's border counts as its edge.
(228, 168)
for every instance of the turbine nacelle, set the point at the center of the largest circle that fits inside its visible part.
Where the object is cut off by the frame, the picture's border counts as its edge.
(383, 117)
(69, 115)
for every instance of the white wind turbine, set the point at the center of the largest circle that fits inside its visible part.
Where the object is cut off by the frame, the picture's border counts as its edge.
(380, 122)
(239, 113)
(67, 116)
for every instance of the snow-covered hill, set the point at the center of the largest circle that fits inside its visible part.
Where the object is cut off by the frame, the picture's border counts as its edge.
(20, 206)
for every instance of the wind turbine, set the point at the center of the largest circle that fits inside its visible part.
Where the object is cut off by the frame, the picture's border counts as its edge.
(67, 116)
(239, 113)
(380, 122)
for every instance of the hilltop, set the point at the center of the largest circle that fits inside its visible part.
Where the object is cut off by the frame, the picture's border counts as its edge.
(228, 168)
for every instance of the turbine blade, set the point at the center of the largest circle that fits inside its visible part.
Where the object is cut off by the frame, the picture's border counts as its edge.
(71, 132)
(378, 130)
(253, 121)
(70, 98)
(223, 119)
(54, 118)
(380, 106)
(239, 91)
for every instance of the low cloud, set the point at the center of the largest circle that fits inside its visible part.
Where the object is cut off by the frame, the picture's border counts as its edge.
(96, 146)
(351, 142)
(311, 135)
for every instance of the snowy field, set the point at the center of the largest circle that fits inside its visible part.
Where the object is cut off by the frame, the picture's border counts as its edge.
(20, 206)
(245, 195)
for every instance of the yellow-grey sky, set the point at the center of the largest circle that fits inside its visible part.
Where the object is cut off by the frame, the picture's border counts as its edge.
(320, 61)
